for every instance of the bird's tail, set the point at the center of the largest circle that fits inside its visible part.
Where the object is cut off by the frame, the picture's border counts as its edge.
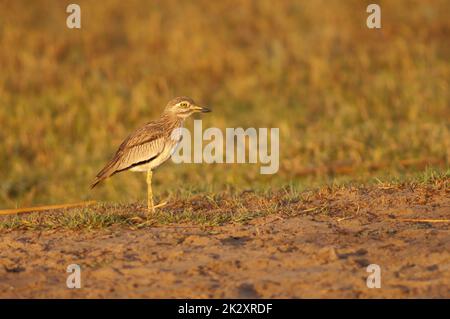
(107, 171)
(96, 181)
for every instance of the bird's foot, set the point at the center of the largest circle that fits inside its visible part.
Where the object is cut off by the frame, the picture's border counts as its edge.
(160, 205)
(152, 208)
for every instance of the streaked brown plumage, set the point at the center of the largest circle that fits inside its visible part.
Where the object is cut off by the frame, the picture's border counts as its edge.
(152, 144)
(140, 147)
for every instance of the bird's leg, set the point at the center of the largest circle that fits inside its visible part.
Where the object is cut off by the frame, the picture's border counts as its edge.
(150, 206)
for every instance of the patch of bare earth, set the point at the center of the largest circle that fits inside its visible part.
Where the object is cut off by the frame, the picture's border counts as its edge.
(315, 245)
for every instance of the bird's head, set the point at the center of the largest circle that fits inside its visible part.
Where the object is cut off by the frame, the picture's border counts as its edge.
(184, 106)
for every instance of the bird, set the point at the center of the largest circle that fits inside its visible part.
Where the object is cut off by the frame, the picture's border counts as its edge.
(152, 144)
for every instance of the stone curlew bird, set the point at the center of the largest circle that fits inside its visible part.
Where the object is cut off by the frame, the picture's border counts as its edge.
(152, 144)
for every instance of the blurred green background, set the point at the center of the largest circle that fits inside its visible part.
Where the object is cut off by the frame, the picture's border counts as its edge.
(352, 104)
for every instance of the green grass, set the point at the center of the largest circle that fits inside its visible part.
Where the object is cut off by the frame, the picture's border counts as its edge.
(107, 216)
(341, 94)
(210, 210)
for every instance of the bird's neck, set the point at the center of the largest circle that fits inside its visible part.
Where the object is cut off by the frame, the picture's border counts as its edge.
(172, 119)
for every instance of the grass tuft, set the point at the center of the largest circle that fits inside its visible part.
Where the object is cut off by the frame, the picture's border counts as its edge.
(210, 210)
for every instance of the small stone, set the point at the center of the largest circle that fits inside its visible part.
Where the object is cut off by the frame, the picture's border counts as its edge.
(195, 240)
(327, 254)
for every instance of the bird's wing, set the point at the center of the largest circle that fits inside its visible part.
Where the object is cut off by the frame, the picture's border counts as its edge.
(140, 147)
(139, 153)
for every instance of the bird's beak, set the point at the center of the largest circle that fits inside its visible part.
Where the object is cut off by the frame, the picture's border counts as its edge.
(201, 109)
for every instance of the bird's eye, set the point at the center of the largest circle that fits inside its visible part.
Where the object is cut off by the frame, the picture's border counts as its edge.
(184, 104)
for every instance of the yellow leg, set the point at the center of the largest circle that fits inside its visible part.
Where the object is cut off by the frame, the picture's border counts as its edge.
(150, 206)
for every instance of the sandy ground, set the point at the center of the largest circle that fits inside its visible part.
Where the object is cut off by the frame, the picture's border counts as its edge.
(315, 253)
